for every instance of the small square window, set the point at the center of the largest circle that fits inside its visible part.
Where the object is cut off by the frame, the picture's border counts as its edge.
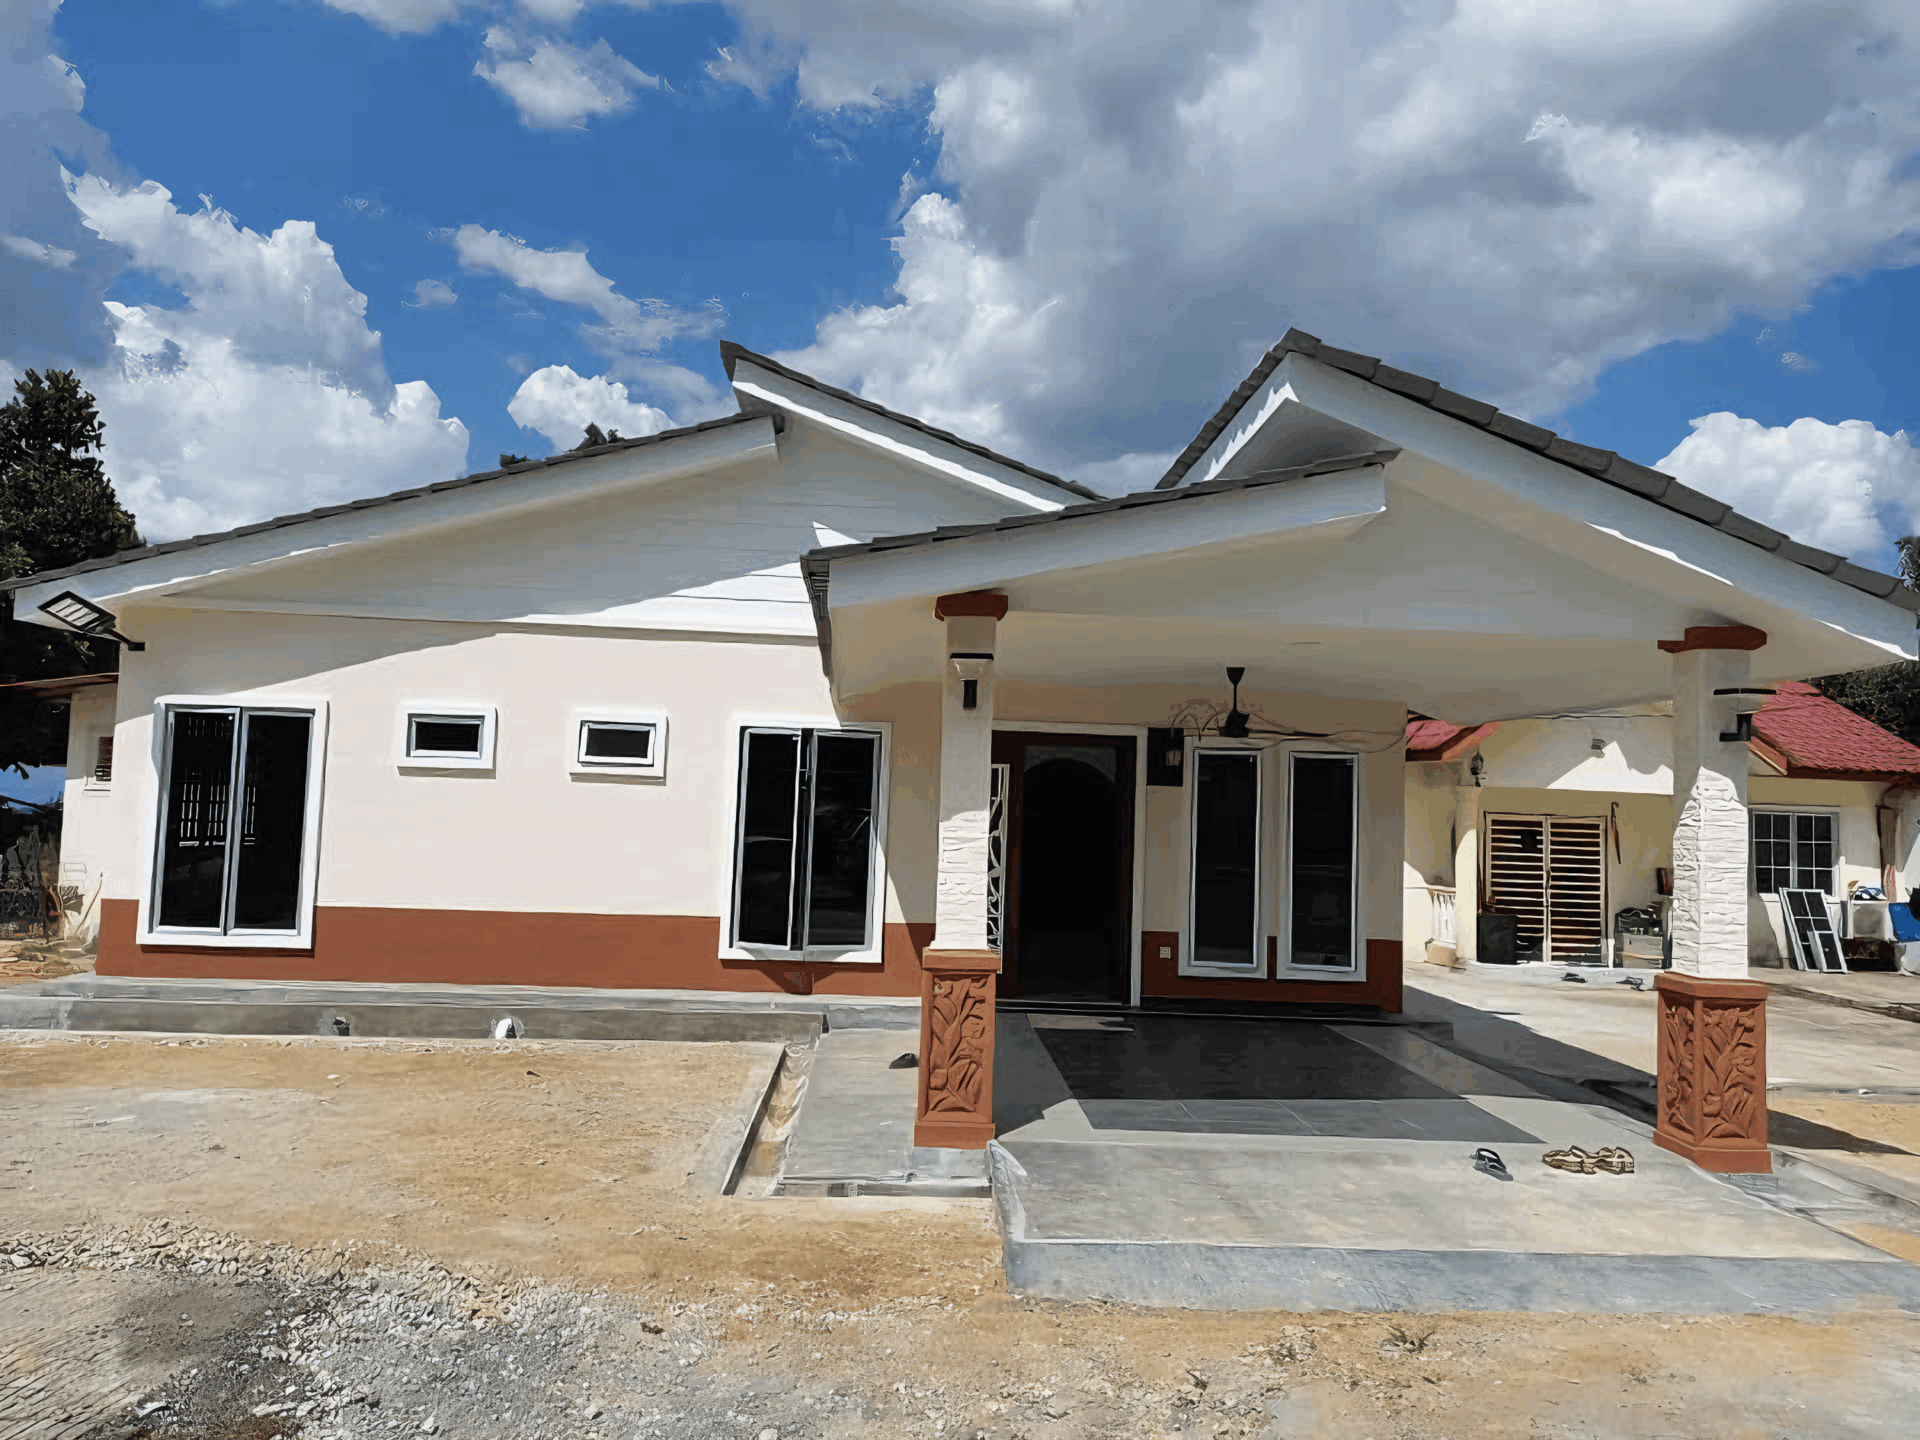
(619, 743)
(438, 736)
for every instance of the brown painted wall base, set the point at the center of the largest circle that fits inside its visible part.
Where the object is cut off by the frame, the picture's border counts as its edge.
(510, 947)
(1713, 1073)
(1161, 979)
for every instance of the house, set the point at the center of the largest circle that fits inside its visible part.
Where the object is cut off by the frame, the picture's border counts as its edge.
(815, 696)
(1563, 821)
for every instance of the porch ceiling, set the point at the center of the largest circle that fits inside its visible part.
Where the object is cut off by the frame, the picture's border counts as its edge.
(1400, 580)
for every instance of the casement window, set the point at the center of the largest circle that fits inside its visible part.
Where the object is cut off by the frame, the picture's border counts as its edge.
(1226, 860)
(441, 736)
(805, 850)
(619, 743)
(1321, 870)
(239, 797)
(1792, 851)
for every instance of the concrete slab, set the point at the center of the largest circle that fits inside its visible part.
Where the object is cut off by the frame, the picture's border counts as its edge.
(22, 1003)
(856, 1121)
(1159, 1199)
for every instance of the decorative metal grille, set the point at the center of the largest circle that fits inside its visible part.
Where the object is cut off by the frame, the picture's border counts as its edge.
(997, 855)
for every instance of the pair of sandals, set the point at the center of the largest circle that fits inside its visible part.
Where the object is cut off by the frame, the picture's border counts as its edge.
(1614, 1159)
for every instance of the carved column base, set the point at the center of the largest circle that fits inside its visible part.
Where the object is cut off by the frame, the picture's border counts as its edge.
(956, 1049)
(1713, 1073)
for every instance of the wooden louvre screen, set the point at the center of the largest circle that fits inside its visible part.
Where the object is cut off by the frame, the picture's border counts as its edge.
(1550, 873)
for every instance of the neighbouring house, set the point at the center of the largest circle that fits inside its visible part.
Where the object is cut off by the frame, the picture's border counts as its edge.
(1564, 821)
(818, 697)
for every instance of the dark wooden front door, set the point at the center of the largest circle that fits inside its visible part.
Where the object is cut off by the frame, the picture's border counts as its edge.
(1067, 889)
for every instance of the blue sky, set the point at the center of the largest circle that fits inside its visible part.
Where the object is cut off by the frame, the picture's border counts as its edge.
(397, 229)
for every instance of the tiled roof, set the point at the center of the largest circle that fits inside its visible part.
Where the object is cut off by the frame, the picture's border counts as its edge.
(280, 522)
(1652, 485)
(1819, 738)
(730, 352)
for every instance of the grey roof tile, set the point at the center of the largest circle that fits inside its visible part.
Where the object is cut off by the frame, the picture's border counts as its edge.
(1650, 484)
(147, 552)
(1521, 433)
(1581, 457)
(730, 353)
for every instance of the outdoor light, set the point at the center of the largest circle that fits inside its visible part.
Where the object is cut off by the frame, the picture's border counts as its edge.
(1746, 700)
(971, 667)
(1234, 727)
(86, 617)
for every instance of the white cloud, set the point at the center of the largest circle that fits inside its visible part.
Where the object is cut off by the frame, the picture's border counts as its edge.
(1181, 183)
(265, 392)
(404, 17)
(554, 85)
(51, 256)
(433, 294)
(1847, 488)
(628, 332)
(560, 405)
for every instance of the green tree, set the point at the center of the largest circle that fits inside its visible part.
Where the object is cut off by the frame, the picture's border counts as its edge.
(57, 508)
(1888, 695)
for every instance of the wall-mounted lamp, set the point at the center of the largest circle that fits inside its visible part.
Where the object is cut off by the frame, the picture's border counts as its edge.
(86, 617)
(1747, 701)
(1477, 768)
(971, 666)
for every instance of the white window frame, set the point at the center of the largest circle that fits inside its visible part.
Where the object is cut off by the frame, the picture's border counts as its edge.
(873, 953)
(405, 759)
(1833, 813)
(1284, 966)
(653, 768)
(153, 802)
(1256, 967)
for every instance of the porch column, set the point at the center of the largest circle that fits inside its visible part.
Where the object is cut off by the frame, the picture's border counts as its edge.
(1466, 873)
(959, 969)
(1712, 1019)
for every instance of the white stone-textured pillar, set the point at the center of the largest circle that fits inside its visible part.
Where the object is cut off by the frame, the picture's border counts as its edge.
(1466, 872)
(1710, 827)
(966, 777)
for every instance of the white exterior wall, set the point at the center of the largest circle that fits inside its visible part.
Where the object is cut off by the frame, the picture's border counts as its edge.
(88, 832)
(1548, 767)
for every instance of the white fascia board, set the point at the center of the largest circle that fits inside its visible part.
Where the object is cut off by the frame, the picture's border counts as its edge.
(1323, 507)
(1247, 422)
(159, 576)
(663, 615)
(889, 437)
(1604, 527)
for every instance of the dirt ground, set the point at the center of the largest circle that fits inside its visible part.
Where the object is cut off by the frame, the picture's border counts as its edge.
(638, 1308)
(22, 961)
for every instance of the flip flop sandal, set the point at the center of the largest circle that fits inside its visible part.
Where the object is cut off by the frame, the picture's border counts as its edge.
(1614, 1159)
(1572, 1159)
(1488, 1162)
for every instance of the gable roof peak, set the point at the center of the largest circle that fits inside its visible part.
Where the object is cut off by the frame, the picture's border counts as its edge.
(1604, 465)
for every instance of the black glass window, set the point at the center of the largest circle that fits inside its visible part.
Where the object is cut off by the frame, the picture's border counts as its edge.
(193, 848)
(272, 829)
(1321, 892)
(839, 867)
(452, 736)
(769, 801)
(612, 744)
(805, 861)
(1225, 857)
(230, 855)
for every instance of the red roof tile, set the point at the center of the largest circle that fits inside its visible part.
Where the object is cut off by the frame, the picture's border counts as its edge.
(1820, 738)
